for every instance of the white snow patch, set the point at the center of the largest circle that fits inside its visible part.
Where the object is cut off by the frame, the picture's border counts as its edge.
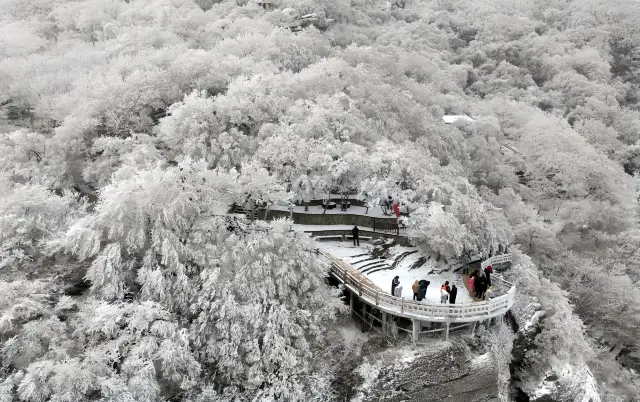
(481, 361)
(533, 320)
(409, 357)
(577, 382)
(435, 272)
(369, 372)
(352, 334)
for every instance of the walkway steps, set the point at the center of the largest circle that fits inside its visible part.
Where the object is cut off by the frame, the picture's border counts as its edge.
(361, 286)
(375, 268)
(370, 264)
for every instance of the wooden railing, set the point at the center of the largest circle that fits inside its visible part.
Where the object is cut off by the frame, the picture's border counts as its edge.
(424, 311)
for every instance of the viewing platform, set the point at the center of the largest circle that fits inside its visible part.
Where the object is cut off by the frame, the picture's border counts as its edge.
(424, 312)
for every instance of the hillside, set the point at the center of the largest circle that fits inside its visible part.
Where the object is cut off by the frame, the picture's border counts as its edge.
(128, 128)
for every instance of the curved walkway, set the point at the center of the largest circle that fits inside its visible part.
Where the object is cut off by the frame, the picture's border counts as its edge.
(418, 312)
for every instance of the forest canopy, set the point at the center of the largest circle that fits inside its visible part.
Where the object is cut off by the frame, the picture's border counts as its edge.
(126, 126)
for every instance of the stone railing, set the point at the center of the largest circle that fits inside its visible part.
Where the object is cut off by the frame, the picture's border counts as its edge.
(496, 259)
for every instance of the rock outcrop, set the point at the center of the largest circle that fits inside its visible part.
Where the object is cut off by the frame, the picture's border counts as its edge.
(441, 371)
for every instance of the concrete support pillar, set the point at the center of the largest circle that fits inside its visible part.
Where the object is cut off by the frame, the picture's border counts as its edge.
(351, 303)
(384, 325)
(364, 316)
(415, 329)
(446, 332)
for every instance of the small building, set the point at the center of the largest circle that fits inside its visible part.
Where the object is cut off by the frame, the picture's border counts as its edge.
(266, 4)
(451, 118)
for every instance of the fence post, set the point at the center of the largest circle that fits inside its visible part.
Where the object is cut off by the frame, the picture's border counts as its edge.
(377, 297)
(402, 306)
(374, 225)
(360, 287)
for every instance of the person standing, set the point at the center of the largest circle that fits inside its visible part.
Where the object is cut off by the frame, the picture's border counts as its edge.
(488, 294)
(356, 235)
(424, 284)
(487, 272)
(444, 296)
(453, 294)
(395, 282)
(472, 281)
(416, 289)
(477, 285)
(398, 291)
(481, 287)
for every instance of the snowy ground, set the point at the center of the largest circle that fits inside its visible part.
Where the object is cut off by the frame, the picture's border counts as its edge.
(381, 272)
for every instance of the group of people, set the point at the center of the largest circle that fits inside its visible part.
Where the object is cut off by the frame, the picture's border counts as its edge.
(479, 284)
(480, 281)
(420, 289)
(447, 293)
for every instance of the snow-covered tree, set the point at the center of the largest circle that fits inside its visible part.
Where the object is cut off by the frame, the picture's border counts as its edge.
(192, 130)
(140, 230)
(30, 216)
(75, 351)
(439, 229)
(120, 96)
(262, 307)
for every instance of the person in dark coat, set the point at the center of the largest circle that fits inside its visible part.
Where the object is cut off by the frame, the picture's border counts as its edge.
(395, 282)
(356, 235)
(487, 272)
(453, 294)
(479, 285)
(422, 292)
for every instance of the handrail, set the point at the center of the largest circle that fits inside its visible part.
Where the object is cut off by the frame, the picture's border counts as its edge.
(496, 259)
(427, 311)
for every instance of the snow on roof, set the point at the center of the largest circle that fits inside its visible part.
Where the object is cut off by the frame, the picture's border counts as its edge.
(452, 118)
(510, 148)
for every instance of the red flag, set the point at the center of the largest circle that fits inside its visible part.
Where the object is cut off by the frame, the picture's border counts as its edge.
(396, 209)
